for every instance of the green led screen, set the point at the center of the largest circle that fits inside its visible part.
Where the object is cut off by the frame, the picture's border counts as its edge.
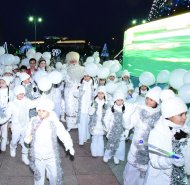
(158, 45)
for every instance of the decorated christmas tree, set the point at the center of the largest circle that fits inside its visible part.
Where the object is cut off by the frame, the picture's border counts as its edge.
(164, 8)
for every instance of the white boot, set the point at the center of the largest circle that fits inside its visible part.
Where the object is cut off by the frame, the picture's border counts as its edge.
(116, 160)
(12, 152)
(105, 159)
(25, 159)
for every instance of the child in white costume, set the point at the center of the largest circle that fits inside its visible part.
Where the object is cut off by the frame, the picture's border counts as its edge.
(142, 120)
(6, 95)
(114, 125)
(42, 133)
(96, 126)
(86, 95)
(18, 111)
(170, 134)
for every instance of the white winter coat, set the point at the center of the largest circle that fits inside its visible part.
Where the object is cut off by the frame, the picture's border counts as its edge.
(43, 146)
(160, 166)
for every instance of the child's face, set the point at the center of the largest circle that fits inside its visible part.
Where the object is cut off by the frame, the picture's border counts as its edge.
(150, 102)
(112, 78)
(101, 95)
(125, 78)
(143, 87)
(20, 96)
(87, 78)
(102, 82)
(179, 119)
(2, 84)
(119, 102)
(42, 64)
(27, 81)
(43, 114)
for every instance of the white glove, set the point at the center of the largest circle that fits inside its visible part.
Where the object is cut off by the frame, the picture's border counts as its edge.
(91, 110)
(125, 134)
(72, 151)
(178, 162)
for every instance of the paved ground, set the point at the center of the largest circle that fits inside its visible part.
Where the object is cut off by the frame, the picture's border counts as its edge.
(84, 170)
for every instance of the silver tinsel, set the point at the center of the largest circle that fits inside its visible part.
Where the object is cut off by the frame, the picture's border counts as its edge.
(115, 133)
(178, 176)
(93, 118)
(29, 90)
(142, 153)
(80, 100)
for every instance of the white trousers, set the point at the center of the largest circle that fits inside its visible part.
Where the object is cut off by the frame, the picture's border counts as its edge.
(120, 152)
(47, 166)
(97, 146)
(83, 128)
(18, 135)
(4, 135)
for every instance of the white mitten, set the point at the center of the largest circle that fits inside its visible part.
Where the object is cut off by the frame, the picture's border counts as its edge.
(178, 162)
(72, 151)
(125, 134)
(91, 110)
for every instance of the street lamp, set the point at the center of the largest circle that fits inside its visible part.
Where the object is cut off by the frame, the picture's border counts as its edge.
(134, 21)
(35, 20)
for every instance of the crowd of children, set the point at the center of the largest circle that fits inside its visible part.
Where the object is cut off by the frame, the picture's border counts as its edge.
(159, 150)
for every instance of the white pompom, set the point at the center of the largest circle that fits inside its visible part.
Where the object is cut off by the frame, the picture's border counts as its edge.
(103, 72)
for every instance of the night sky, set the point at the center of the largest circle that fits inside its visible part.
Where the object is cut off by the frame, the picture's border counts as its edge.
(96, 21)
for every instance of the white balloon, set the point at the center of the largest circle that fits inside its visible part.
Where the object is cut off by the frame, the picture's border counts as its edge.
(108, 63)
(44, 84)
(103, 72)
(2, 50)
(147, 78)
(184, 93)
(8, 59)
(163, 76)
(31, 50)
(46, 55)
(2, 59)
(25, 62)
(186, 78)
(37, 56)
(91, 69)
(39, 74)
(176, 78)
(114, 68)
(30, 55)
(55, 77)
(58, 66)
(16, 60)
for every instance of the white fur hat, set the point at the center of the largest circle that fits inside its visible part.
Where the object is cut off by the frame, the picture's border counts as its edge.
(125, 73)
(172, 107)
(166, 94)
(101, 89)
(112, 74)
(23, 76)
(14, 67)
(19, 89)
(45, 104)
(154, 94)
(8, 69)
(118, 95)
(7, 79)
(72, 56)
